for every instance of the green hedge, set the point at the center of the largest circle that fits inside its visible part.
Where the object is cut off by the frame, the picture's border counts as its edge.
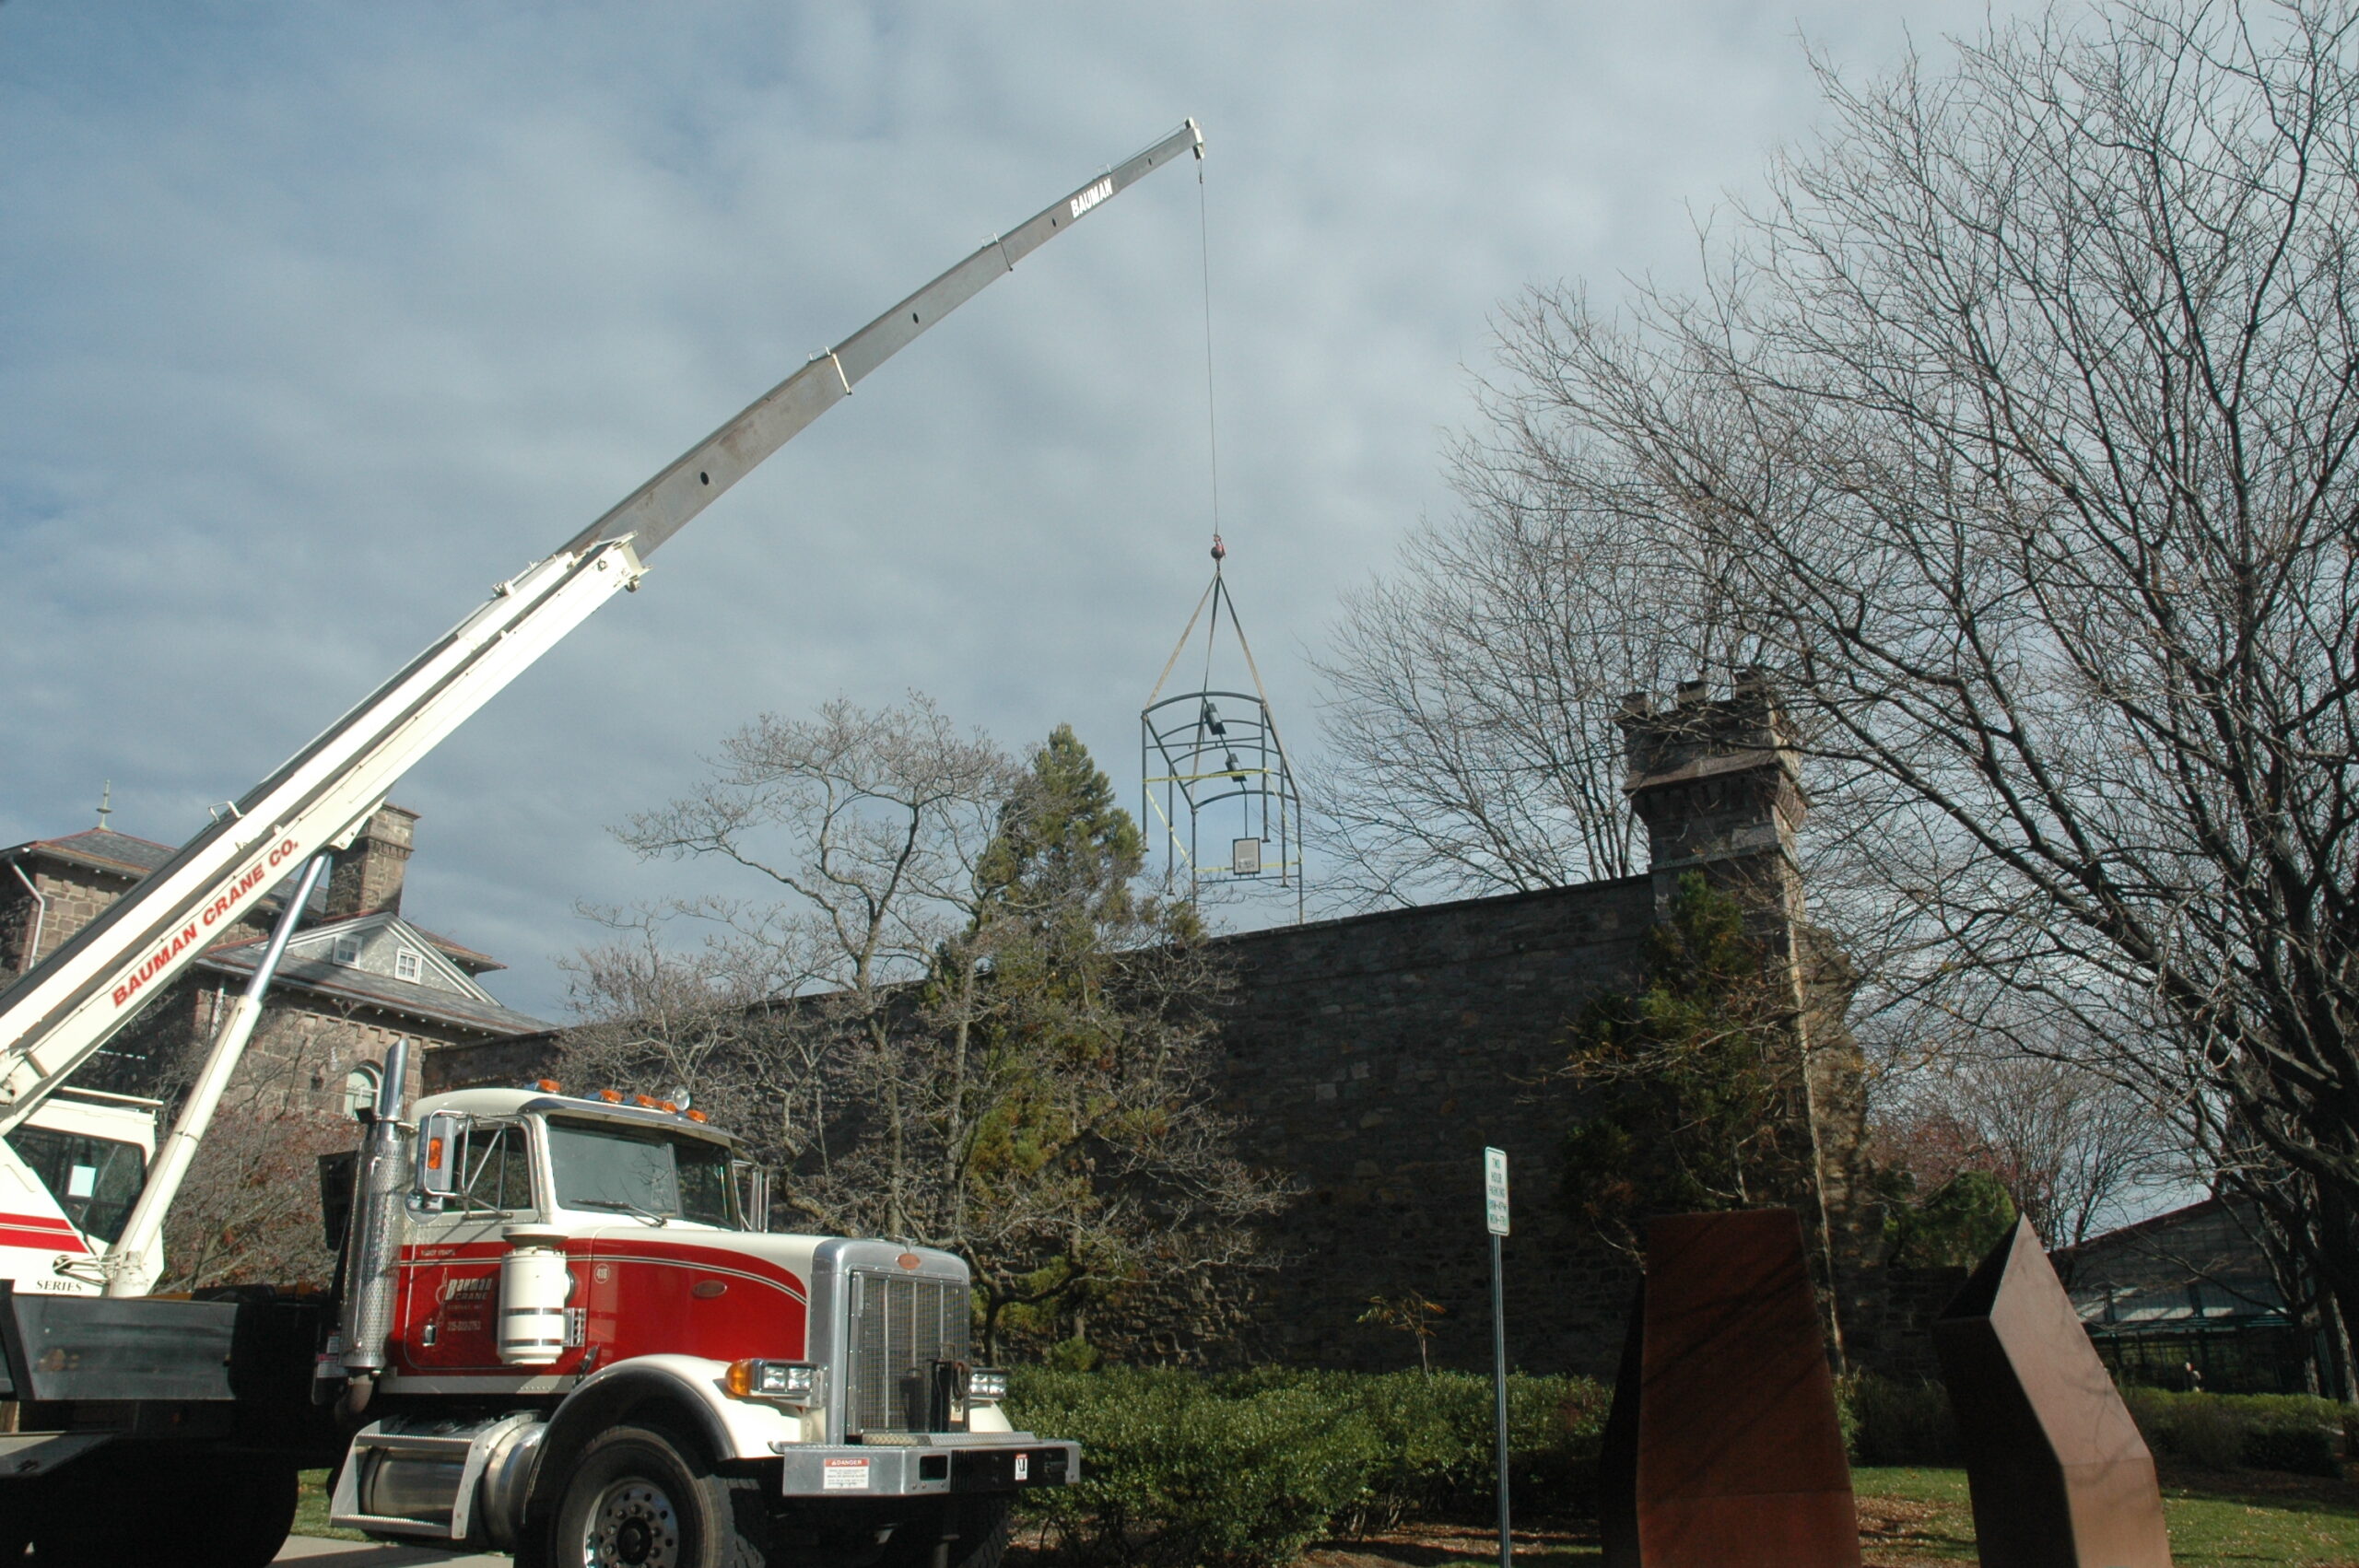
(1887, 1422)
(2262, 1431)
(1891, 1422)
(1244, 1472)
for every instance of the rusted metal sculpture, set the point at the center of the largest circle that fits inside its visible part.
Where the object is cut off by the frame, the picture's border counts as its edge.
(2059, 1476)
(1722, 1449)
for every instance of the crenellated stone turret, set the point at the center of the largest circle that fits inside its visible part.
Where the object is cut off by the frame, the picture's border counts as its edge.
(1718, 782)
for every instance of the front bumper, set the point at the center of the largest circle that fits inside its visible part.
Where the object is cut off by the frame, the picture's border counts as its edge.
(929, 1464)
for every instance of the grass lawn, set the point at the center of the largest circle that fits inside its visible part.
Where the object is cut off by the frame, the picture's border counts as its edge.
(1921, 1518)
(1911, 1516)
(312, 1509)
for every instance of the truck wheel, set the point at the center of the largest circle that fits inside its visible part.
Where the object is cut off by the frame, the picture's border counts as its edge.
(250, 1506)
(228, 1512)
(640, 1498)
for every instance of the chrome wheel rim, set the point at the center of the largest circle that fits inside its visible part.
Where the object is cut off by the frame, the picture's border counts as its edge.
(632, 1525)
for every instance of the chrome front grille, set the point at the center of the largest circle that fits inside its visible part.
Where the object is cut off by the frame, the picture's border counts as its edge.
(900, 1328)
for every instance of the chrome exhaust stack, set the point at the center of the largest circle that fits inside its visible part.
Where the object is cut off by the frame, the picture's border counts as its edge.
(372, 1236)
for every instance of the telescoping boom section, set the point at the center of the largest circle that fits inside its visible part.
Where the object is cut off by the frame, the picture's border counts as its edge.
(53, 1019)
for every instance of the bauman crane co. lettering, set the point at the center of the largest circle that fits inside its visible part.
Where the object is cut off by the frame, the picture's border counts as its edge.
(251, 881)
(1091, 196)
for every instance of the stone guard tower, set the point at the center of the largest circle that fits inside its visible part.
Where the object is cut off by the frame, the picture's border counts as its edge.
(1719, 785)
(1718, 782)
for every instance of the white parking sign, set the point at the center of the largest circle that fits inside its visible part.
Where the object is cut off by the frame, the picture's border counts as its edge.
(1494, 1191)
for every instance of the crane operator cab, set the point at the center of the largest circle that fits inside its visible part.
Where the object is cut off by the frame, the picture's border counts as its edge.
(69, 1174)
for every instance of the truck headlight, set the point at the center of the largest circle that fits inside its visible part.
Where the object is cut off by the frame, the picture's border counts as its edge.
(986, 1384)
(788, 1382)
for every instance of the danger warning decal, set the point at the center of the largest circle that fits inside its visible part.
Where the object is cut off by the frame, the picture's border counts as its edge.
(844, 1475)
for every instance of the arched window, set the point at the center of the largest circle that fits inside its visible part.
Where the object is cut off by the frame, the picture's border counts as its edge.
(360, 1088)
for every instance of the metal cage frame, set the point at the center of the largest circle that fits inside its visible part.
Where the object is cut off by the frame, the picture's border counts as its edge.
(1194, 756)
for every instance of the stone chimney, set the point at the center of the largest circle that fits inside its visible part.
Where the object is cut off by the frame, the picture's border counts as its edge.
(367, 876)
(1719, 785)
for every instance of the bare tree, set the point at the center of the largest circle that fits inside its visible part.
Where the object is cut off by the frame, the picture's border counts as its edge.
(710, 1025)
(249, 1210)
(867, 827)
(959, 1025)
(2075, 1148)
(1471, 742)
(2023, 409)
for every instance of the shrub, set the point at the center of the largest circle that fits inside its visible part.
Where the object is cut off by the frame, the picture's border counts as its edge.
(2223, 1431)
(2196, 1429)
(1176, 1474)
(1245, 1469)
(2304, 1448)
(1890, 1423)
(1436, 1436)
(1886, 1422)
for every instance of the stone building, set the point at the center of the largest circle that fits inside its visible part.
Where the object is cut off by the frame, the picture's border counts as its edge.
(356, 974)
(1374, 1057)
(1371, 1059)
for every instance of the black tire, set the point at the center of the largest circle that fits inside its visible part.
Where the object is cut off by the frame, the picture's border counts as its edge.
(249, 1510)
(86, 1524)
(640, 1498)
(204, 1512)
(20, 1501)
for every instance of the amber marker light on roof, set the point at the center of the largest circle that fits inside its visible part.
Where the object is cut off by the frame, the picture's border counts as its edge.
(612, 1097)
(670, 1108)
(645, 1102)
(548, 1086)
(694, 1114)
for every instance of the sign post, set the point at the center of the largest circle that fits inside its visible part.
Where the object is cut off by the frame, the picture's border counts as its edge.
(1495, 1214)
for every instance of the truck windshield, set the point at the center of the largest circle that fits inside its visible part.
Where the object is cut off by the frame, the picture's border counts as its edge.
(600, 1165)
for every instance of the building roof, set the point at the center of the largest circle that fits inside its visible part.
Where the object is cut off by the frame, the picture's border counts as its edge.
(2200, 1266)
(120, 854)
(450, 997)
(459, 953)
(445, 991)
(99, 849)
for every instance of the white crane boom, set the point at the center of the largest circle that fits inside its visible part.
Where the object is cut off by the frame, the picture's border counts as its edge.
(56, 1017)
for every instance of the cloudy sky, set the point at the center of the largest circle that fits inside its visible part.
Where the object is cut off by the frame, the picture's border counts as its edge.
(317, 320)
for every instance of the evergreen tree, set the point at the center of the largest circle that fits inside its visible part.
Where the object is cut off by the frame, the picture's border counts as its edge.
(1694, 1099)
(1072, 1006)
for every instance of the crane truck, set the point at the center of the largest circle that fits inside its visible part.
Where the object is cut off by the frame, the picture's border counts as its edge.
(560, 1325)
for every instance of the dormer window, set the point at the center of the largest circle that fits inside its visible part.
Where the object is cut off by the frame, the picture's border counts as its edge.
(348, 950)
(406, 964)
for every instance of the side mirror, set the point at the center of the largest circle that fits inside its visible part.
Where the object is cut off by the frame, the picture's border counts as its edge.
(439, 1138)
(753, 1194)
(335, 1196)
